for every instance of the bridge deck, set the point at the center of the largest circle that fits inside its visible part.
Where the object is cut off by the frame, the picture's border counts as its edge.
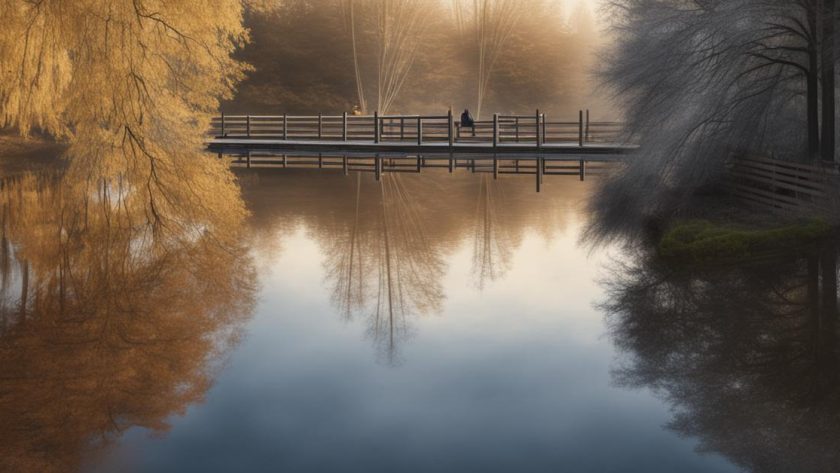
(244, 145)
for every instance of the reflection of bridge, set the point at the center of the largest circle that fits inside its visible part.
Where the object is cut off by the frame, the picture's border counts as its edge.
(508, 134)
(379, 163)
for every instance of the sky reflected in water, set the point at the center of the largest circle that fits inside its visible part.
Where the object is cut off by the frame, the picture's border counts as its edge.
(499, 362)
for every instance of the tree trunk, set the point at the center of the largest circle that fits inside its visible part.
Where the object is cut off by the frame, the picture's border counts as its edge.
(813, 88)
(828, 106)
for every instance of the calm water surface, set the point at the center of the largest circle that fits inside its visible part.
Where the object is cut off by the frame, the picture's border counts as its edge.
(450, 329)
(428, 322)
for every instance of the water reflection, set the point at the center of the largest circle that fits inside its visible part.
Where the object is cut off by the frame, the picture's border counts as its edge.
(492, 247)
(746, 355)
(386, 243)
(106, 321)
(385, 266)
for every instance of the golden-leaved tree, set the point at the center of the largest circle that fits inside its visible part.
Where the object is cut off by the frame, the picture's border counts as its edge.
(131, 85)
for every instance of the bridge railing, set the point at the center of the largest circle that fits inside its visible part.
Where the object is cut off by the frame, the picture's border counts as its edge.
(502, 129)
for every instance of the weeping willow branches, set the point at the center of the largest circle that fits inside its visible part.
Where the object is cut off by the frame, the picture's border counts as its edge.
(492, 22)
(398, 29)
(350, 17)
(400, 25)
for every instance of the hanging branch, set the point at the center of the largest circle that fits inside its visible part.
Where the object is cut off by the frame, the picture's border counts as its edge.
(350, 16)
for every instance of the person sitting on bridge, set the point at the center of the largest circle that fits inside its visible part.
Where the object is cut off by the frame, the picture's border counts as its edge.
(467, 119)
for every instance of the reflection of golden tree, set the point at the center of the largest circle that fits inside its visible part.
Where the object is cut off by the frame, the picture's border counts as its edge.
(746, 355)
(492, 247)
(106, 323)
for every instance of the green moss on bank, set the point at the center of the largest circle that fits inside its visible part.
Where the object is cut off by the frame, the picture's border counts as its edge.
(702, 241)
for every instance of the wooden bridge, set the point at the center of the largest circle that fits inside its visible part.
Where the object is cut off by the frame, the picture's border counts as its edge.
(508, 134)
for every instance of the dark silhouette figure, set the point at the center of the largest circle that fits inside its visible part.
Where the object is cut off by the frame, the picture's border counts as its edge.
(467, 119)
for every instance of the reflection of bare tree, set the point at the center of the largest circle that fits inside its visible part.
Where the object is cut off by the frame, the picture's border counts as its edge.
(385, 264)
(105, 322)
(492, 246)
(746, 355)
(384, 242)
(346, 266)
(409, 267)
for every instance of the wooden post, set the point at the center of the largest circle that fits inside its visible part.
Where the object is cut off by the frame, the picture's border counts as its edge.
(285, 161)
(542, 168)
(538, 173)
(248, 162)
(248, 125)
(516, 128)
(586, 132)
(582, 170)
(320, 160)
(402, 128)
(543, 130)
(377, 165)
(495, 130)
(537, 128)
(344, 127)
(451, 162)
(580, 129)
(419, 130)
(450, 133)
(285, 131)
(495, 166)
(344, 161)
(320, 120)
(223, 124)
(376, 128)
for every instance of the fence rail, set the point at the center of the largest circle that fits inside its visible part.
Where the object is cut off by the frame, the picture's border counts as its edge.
(419, 129)
(784, 185)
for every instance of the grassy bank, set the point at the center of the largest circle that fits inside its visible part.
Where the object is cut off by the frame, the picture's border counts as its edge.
(705, 241)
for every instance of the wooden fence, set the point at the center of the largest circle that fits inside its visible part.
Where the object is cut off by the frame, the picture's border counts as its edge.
(784, 185)
(416, 129)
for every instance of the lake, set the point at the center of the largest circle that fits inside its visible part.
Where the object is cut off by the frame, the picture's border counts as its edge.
(425, 322)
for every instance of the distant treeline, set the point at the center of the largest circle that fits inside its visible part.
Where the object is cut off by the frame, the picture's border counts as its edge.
(303, 59)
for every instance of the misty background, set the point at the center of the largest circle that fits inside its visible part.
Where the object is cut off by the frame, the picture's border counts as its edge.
(422, 56)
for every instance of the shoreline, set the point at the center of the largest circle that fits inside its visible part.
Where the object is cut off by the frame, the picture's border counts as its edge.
(20, 155)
